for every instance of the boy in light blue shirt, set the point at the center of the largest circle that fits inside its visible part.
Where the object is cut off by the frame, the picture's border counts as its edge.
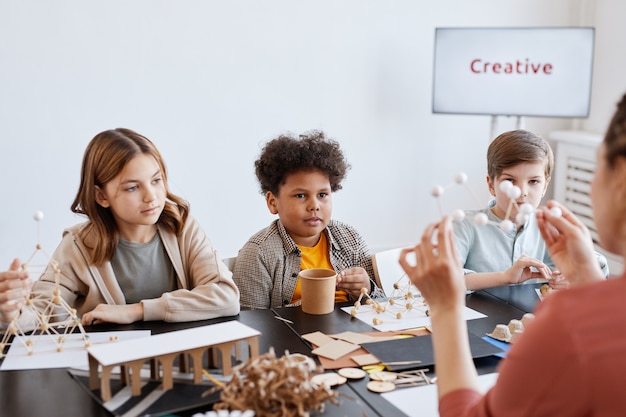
(492, 256)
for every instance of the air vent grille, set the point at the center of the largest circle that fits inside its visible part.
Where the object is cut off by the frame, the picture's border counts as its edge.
(578, 177)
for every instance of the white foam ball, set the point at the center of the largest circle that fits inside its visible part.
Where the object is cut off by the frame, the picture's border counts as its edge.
(38, 215)
(505, 186)
(437, 191)
(458, 215)
(481, 219)
(461, 178)
(506, 225)
(514, 192)
(521, 218)
(556, 212)
(526, 208)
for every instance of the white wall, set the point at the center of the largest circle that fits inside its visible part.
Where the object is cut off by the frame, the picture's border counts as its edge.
(609, 81)
(209, 82)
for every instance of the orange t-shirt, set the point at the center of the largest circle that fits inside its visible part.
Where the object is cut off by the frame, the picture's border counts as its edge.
(316, 257)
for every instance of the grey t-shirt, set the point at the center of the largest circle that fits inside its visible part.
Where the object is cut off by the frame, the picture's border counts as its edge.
(143, 270)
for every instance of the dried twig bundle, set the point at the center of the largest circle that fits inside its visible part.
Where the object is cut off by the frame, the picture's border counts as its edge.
(276, 387)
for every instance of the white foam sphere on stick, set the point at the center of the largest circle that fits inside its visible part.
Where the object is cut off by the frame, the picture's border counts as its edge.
(38, 215)
(526, 208)
(521, 218)
(514, 192)
(437, 191)
(461, 178)
(506, 225)
(556, 212)
(481, 219)
(458, 215)
(505, 186)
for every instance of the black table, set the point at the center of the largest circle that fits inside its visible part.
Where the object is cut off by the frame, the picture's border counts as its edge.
(54, 392)
(497, 310)
(522, 296)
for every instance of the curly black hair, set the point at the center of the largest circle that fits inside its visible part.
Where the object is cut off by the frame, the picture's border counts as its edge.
(310, 151)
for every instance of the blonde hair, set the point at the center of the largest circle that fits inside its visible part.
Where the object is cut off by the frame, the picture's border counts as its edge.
(105, 157)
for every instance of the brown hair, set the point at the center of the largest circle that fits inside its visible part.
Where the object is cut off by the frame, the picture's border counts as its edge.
(311, 151)
(515, 147)
(615, 137)
(105, 157)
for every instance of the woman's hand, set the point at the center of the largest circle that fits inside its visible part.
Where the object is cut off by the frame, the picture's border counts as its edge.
(439, 277)
(569, 243)
(437, 273)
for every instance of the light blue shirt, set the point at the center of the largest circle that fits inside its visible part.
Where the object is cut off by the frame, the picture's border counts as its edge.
(489, 249)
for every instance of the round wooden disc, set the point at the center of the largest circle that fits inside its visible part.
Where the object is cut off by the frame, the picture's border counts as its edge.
(329, 379)
(352, 373)
(381, 386)
(383, 376)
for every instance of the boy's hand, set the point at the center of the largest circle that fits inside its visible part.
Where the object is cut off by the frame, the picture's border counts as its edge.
(522, 270)
(351, 280)
(558, 281)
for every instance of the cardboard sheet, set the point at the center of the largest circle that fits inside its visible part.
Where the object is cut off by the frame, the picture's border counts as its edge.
(347, 361)
(420, 348)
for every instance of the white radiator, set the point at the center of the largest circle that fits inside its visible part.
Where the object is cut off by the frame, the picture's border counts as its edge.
(574, 167)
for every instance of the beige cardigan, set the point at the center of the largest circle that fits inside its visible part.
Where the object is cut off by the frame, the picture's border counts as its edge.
(205, 285)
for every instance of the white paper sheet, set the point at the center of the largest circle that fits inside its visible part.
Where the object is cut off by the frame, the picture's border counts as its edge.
(423, 402)
(73, 355)
(410, 319)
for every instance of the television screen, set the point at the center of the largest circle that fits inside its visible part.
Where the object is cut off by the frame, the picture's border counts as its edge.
(513, 71)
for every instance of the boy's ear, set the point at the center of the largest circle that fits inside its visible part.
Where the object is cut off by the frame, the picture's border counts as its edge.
(547, 183)
(491, 186)
(272, 205)
(619, 174)
(101, 198)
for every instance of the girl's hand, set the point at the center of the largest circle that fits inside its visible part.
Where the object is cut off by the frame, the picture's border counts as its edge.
(108, 313)
(15, 288)
(352, 280)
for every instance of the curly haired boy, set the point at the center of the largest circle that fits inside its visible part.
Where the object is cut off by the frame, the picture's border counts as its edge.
(297, 177)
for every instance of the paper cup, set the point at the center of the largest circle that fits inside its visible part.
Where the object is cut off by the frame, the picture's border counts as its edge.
(318, 290)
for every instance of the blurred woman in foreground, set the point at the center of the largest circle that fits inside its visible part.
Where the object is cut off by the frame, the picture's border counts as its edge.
(571, 360)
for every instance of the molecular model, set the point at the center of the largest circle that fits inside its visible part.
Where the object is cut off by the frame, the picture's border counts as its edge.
(403, 299)
(513, 192)
(412, 299)
(54, 317)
